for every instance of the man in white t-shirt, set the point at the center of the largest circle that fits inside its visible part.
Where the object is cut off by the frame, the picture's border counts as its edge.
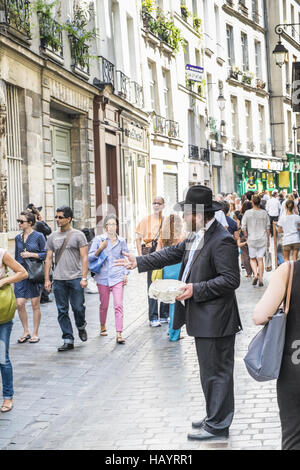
(273, 209)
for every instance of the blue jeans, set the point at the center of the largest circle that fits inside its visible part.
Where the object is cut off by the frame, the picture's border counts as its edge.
(66, 292)
(5, 364)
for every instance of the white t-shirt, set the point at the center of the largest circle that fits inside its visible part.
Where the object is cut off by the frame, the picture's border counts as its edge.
(289, 224)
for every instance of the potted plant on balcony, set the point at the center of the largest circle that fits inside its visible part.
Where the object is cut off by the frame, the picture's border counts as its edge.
(184, 11)
(197, 23)
(235, 72)
(247, 77)
(260, 84)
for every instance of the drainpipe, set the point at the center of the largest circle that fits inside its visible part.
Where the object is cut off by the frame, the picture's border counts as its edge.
(271, 110)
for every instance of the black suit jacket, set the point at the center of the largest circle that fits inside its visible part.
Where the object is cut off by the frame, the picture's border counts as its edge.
(212, 312)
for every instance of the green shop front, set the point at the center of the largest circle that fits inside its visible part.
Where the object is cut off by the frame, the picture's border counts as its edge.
(257, 174)
(293, 168)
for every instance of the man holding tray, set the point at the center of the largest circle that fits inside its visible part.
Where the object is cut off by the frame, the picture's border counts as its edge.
(207, 304)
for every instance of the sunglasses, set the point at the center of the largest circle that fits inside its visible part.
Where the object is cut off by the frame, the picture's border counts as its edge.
(20, 221)
(60, 217)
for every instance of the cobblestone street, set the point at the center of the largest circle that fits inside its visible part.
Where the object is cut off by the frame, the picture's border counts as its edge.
(142, 395)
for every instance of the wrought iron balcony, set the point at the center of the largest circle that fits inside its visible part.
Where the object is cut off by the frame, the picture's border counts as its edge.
(51, 35)
(14, 17)
(172, 129)
(229, 3)
(250, 146)
(194, 152)
(159, 125)
(80, 56)
(236, 144)
(204, 155)
(107, 72)
(136, 95)
(123, 85)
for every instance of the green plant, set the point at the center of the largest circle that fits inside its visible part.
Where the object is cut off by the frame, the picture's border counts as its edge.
(201, 87)
(148, 6)
(197, 22)
(213, 128)
(164, 28)
(185, 13)
(79, 36)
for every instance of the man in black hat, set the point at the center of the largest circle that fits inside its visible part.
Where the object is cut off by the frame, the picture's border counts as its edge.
(207, 305)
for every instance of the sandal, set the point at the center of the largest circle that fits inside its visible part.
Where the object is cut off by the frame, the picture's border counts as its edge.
(7, 408)
(34, 339)
(254, 282)
(120, 340)
(23, 339)
(103, 332)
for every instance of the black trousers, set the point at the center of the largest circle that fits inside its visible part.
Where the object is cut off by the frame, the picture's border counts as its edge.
(216, 362)
(288, 397)
(273, 219)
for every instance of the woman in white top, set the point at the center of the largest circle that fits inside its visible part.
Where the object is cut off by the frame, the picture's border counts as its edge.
(289, 225)
(6, 261)
(256, 228)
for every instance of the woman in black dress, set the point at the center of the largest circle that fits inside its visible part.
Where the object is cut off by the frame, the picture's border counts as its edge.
(288, 383)
(29, 244)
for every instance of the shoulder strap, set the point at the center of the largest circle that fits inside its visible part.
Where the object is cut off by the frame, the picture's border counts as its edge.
(289, 287)
(66, 241)
(157, 235)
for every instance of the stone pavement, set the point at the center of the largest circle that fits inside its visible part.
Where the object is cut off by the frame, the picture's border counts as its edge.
(141, 395)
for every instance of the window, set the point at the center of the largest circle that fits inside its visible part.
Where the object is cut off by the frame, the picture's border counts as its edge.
(258, 59)
(166, 91)
(284, 11)
(249, 133)
(245, 55)
(217, 24)
(255, 15)
(234, 121)
(262, 128)
(153, 85)
(14, 159)
(195, 7)
(293, 20)
(230, 46)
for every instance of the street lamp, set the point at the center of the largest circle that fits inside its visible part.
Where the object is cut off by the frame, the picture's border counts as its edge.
(221, 101)
(280, 53)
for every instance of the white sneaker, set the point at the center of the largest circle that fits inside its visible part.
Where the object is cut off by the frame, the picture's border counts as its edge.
(164, 320)
(155, 323)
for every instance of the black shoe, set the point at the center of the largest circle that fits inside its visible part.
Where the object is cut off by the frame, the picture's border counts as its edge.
(83, 335)
(65, 347)
(202, 435)
(45, 301)
(198, 424)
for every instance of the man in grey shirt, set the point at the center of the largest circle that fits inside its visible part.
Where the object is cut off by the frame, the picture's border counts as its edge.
(70, 249)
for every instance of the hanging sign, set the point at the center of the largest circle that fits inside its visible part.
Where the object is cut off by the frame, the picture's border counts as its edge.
(194, 72)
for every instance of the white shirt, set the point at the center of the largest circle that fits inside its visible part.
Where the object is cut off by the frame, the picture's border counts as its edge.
(273, 207)
(289, 224)
(198, 238)
(220, 217)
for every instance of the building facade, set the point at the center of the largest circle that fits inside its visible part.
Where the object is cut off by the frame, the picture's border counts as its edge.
(47, 113)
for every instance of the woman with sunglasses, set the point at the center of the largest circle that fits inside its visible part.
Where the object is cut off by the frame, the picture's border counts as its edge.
(111, 278)
(6, 261)
(29, 244)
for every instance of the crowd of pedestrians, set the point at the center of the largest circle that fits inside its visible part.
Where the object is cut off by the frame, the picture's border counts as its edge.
(205, 249)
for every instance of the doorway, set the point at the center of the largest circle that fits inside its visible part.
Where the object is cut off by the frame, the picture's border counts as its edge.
(61, 166)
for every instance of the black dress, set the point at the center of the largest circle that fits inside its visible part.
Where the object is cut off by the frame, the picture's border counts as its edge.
(288, 384)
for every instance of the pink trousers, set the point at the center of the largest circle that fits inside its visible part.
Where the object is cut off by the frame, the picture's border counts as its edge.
(104, 293)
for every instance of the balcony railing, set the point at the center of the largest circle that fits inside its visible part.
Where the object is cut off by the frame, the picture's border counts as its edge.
(51, 35)
(236, 144)
(250, 146)
(255, 17)
(159, 125)
(14, 14)
(80, 56)
(172, 129)
(123, 85)
(229, 3)
(107, 71)
(136, 94)
(204, 154)
(194, 152)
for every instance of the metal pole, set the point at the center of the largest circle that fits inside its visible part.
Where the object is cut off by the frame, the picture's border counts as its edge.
(295, 157)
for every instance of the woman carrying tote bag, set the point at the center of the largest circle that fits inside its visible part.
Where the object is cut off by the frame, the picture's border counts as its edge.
(7, 311)
(288, 383)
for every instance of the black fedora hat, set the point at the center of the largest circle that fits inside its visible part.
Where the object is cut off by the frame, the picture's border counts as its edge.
(197, 195)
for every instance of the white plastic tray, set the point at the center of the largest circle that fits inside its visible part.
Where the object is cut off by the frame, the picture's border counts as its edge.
(166, 290)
